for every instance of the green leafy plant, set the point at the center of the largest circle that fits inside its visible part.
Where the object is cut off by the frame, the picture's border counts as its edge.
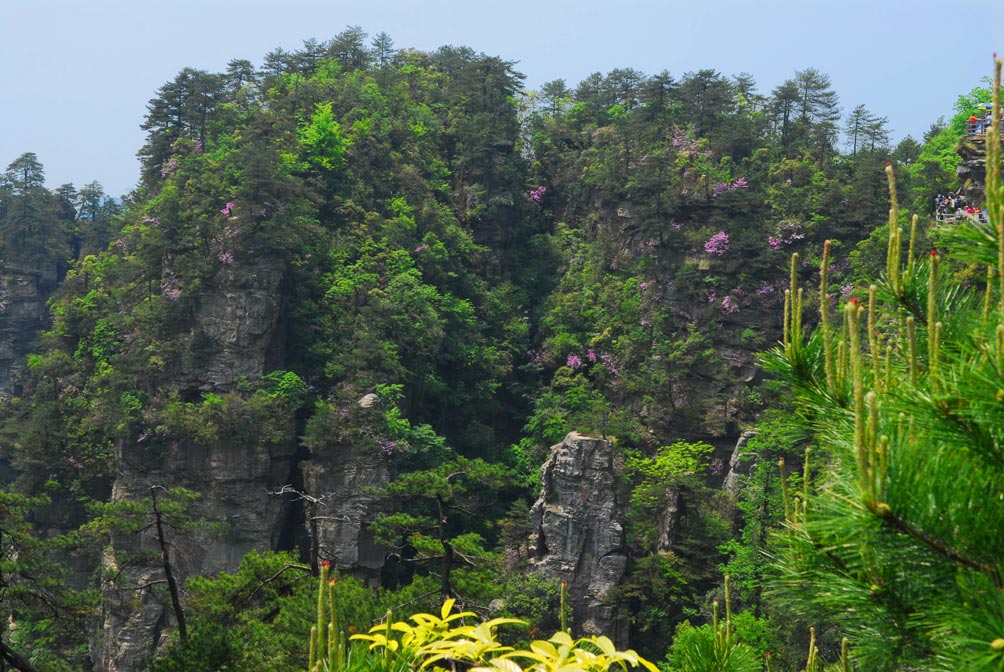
(442, 640)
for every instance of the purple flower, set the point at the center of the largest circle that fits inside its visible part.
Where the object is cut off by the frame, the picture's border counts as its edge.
(225, 258)
(169, 167)
(774, 243)
(536, 195)
(717, 244)
(573, 362)
(422, 248)
(846, 290)
(591, 355)
(729, 306)
(722, 187)
(227, 208)
(609, 363)
(766, 289)
(173, 294)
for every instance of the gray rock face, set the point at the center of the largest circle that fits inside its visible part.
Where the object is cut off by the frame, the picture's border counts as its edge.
(23, 293)
(668, 524)
(972, 170)
(237, 323)
(237, 328)
(737, 467)
(340, 478)
(577, 532)
(235, 482)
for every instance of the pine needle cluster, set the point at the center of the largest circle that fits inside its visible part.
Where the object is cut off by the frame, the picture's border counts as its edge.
(899, 542)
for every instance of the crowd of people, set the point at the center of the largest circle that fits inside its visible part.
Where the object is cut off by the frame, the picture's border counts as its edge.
(953, 206)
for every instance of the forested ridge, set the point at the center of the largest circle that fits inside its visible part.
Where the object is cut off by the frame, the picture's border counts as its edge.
(358, 294)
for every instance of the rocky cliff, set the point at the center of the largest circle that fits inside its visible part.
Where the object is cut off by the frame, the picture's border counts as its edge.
(577, 533)
(234, 466)
(23, 293)
(972, 169)
(340, 477)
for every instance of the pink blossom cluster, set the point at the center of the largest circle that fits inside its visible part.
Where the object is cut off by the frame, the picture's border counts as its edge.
(606, 360)
(228, 208)
(169, 167)
(609, 363)
(274, 204)
(717, 244)
(685, 144)
(536, 195)
(787, 232)
(729, 306)
(387, 446)
(722, 187)
(225, 258)
(169, 287)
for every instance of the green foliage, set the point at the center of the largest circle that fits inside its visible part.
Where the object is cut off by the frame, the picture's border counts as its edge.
(499, 267)
(897, 545)
(435, 638)
(437, 505)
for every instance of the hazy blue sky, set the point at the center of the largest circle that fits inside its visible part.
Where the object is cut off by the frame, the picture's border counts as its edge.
(76, 74)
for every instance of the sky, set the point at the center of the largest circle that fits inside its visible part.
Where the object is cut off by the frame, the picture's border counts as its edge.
(76, 75)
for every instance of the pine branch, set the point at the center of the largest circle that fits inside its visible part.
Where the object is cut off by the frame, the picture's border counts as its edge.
(887, 516)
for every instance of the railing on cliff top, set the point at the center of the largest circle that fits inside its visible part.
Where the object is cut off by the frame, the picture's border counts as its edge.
(979, 128)
(952, 217)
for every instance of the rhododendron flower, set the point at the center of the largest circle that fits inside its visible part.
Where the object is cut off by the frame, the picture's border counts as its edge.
(717, 244)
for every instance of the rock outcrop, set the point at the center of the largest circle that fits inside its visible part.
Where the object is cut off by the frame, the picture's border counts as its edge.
(738, 467)
(237, 334)
(341, 477)
(23, 315)
(234, 469)
(972, 169)
(577, 533)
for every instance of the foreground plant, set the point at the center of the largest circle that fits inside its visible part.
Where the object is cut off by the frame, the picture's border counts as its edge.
(446, 641)
(900, 544)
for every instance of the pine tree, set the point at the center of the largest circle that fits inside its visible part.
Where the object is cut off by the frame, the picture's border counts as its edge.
(899, 542)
